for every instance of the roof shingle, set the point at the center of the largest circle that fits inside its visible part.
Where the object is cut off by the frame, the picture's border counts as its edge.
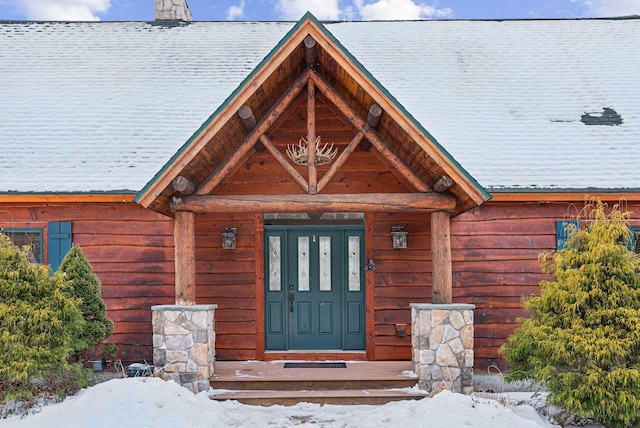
(102, 106)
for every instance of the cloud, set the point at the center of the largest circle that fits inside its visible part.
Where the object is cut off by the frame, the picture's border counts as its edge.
(400, 10)
(235, 12)
(321, 9)
(604, 8)
(63, 10)
(370, 11)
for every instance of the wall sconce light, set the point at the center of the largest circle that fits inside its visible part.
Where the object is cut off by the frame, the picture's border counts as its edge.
(229, 238)
(399, 237)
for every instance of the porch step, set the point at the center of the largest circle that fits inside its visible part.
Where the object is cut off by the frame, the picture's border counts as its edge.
(291, 398)
(269, 383)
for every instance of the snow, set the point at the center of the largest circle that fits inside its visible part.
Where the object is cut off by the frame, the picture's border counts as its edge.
(112, 102)
(152, 402)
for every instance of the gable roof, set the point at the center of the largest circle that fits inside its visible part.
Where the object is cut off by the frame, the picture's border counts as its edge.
(100, 107)
(275, 84)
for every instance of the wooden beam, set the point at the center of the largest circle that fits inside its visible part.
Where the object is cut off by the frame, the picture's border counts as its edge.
(370, 285)
(284, 162)
(443, 184)
(365, 202)
(442, 287)
(388, 153)
(340, 161)
(247, 118)
(184, 236)
(216, 177)
(312, 165)
(183, 186)
(375, 113)
(258, 228)
(310, 51)
(373, 120)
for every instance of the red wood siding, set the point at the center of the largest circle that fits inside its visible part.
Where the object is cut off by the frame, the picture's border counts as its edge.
(131, 251)
(494, 254)
(227, 278)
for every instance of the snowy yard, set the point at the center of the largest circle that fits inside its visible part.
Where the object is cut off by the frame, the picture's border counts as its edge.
(151, 402)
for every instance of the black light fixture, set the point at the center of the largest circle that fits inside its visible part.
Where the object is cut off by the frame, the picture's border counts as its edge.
(399, 237)
(229, 238)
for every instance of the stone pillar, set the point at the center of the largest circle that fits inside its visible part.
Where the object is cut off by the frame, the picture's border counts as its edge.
(442, 345)
(184, 344)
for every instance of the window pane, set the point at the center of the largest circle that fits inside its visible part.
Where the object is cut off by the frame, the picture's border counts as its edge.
(275, 283)
(28, 240)
(354, 263)
(303, 263)
(325, 263)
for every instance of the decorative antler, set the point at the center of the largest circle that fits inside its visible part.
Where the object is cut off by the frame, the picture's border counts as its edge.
(299, 153)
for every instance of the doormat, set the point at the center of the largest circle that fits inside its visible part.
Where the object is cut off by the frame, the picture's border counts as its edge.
(315, 365)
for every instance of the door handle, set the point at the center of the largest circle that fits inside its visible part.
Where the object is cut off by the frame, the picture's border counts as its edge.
(291, 298)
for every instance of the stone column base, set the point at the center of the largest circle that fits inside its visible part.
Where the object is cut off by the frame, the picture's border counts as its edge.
(184, 344)
(442, 346)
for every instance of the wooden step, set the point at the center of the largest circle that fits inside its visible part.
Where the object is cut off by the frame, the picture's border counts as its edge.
(268, 383)
(291, 398)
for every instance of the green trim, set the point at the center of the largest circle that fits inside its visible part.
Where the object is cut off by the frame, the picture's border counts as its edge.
(9, 230)
(346, 52)
(631, 246)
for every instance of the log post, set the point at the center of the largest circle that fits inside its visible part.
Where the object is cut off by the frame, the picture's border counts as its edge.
(184, 236)
(441, 290)
(311, 138)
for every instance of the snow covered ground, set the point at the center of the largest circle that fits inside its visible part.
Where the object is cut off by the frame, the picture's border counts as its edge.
(151, 402)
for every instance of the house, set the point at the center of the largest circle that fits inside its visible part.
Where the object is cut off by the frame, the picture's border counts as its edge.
(258, 170)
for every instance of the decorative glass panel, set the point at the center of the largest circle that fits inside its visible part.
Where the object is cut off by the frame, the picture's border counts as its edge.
(354, 263)
(303, 263)
(325, 263)
(275, 282)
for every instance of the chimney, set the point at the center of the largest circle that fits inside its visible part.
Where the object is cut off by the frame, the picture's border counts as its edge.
(172, 10)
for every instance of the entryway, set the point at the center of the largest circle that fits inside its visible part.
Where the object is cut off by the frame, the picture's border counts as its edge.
(314, 288)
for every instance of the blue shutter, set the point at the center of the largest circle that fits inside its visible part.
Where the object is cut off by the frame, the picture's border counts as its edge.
(59, 242)
(562, 233)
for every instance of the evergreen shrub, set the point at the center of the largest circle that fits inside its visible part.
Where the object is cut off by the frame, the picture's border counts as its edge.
(583, 336)
(85, 286)
(39, 322)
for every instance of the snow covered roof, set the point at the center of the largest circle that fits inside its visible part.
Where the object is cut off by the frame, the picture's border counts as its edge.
(101, 107)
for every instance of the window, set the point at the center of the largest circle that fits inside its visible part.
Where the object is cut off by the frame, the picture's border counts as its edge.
(563, 227)
(28, 240)
(635, 239)
(32, 241)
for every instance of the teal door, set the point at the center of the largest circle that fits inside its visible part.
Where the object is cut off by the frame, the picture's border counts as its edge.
(314, 288)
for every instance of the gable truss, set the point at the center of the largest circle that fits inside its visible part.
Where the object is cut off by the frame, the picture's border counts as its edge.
(312, 81)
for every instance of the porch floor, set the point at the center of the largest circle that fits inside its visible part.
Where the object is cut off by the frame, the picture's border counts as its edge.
(268, 383)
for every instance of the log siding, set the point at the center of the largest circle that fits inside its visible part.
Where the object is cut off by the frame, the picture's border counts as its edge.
(494, 250)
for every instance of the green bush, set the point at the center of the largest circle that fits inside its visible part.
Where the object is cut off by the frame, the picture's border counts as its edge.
(85, 286)
(38, 326)
(583, 337)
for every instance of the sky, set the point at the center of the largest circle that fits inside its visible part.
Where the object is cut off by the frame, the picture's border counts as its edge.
(292, 10)
(151, 402)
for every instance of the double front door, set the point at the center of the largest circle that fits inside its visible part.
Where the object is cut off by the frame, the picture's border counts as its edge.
(314, 288)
